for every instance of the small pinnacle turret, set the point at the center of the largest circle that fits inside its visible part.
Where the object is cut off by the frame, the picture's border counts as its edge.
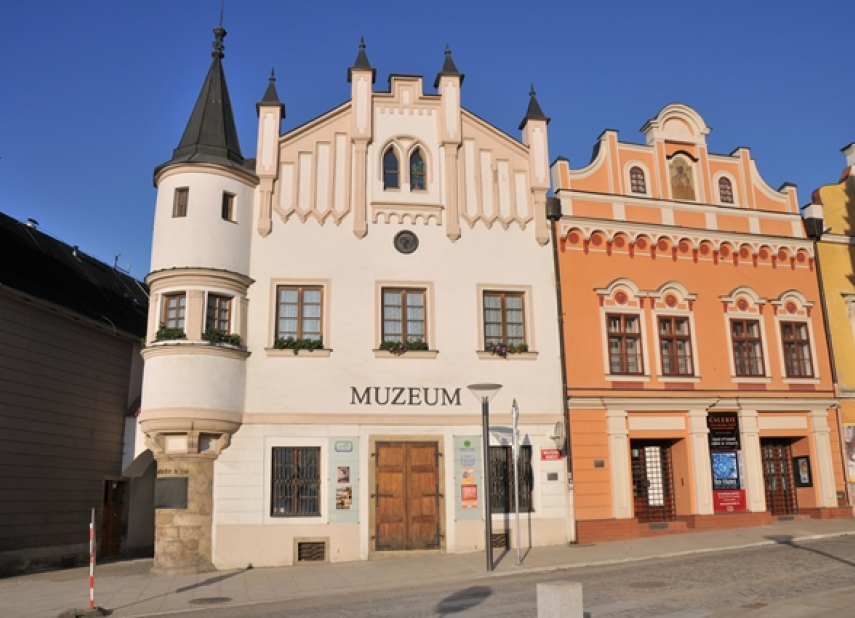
(361, 63)
(271, 97)
(448, 68)
(533, 112)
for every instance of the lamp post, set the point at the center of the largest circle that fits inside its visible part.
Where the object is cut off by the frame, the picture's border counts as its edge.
(515, 416)
(485, 392)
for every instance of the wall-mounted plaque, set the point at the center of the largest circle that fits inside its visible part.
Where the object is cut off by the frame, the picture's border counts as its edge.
(170, 493)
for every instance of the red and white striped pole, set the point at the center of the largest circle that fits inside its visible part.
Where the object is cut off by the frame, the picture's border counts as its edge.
(92, 561)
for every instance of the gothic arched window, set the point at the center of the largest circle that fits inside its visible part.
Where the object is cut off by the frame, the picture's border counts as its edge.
(390, 169)
(417, 171)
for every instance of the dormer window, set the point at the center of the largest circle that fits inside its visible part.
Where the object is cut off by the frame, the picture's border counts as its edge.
(637, 182)
(391, 171)
(417, 171)
(725, 191)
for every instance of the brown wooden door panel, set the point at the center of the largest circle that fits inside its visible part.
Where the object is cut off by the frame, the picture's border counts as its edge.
(390, 496)
(407, 495)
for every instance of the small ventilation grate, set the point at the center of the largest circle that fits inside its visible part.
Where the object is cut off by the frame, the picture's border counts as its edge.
(311, 552)
(500, 541)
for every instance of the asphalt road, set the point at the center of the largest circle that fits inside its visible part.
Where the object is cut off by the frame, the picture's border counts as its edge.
(733, 583)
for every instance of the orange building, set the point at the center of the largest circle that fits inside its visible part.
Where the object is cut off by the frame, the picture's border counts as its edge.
(698, 382)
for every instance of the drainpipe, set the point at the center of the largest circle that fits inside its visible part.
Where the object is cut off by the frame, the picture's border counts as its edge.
(553, 213)
(814, 228)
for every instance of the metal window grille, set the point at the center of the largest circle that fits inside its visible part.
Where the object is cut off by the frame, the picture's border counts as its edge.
(299, 312)
(778, 473)
(404, 314)
(311, 551)
(502, 479)
(676, 345)
(624, 344)
(653, 482)
(636, 179)
(296, 482)
(218, 313)
(796, 341)
(747, 348)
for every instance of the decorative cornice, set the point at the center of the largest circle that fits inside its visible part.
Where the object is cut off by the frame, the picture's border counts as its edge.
(712, 404)
(198, 277)
(192, 348)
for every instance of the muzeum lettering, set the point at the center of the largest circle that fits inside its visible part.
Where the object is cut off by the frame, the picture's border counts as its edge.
(404, 396)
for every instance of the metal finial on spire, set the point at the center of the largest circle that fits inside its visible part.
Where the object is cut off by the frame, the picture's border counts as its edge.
(219, 35)
(533, 112)
(531, 92)
(272, 75)
(222, 10)
(362, 42)
(447, 49)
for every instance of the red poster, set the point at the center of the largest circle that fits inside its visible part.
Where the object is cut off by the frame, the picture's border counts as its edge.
(469, 496)
(729, 500)
(549, 454)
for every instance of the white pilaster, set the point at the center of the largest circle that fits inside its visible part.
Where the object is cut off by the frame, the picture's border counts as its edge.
(823, 466)
(620, 464)
(752, 461)
(700, 445)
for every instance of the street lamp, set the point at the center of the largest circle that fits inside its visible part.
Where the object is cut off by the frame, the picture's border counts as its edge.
(485, 392)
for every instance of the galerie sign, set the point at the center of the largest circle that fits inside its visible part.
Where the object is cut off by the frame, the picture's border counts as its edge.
(404, 396)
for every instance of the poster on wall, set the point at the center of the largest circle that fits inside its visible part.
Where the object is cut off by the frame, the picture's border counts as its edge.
(728, 494)
(343, 498)
(724, 431)
(849, 438)
(469, 496)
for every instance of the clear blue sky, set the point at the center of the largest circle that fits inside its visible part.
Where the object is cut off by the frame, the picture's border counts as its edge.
(95, 94)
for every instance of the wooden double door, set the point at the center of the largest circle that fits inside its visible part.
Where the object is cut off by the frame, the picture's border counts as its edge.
(406, 497)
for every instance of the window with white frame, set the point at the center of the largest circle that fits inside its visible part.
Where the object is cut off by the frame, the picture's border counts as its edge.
(725, 190)
(624, 343)
(795, 341)
(747, 343)
(675, 346)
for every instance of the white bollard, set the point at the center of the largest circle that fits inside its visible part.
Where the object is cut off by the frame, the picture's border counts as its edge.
(560, 600)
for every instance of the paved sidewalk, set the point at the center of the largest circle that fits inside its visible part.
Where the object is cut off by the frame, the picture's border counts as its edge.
(128, 589)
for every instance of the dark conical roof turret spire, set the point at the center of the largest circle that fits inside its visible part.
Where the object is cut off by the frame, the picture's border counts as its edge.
(533, 112)
(271, 97)
(211, 135)
(361, 63)
(448, 68)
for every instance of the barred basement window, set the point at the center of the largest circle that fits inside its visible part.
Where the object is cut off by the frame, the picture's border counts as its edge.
(502, 479)
(296, 482)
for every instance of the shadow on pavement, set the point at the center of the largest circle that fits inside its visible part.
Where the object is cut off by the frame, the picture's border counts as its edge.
(462, 600)
(788, 540)
(207, 582)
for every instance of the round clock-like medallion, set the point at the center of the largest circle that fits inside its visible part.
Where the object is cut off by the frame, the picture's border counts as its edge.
(406, 241)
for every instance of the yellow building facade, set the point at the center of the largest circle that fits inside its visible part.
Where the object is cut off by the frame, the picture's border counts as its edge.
(831, 221)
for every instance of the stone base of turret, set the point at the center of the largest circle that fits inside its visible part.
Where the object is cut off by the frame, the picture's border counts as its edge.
(182, 536)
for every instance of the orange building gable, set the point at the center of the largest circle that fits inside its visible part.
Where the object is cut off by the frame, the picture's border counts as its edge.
(699, 388)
